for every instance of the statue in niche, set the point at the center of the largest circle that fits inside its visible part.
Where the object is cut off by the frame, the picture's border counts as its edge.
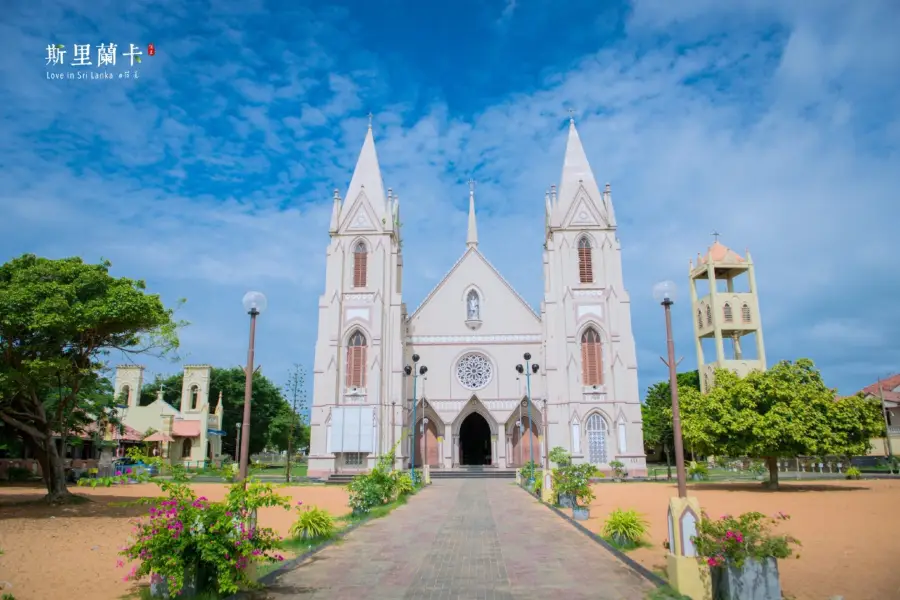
(473, 306)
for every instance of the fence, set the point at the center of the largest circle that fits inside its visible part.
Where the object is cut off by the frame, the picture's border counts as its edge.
(744, 468)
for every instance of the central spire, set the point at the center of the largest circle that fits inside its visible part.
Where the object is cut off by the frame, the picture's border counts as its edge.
(367, 177)
(577, 174)
(472, 235)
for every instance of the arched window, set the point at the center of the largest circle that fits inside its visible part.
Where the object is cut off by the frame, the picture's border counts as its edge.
(125, 395)
(195, 397)
(726, 312)
(745, 313)
(591, 358)
(356, 360)
(473, 306)
(360, 258)
(699, 319)
(708, 315)
(585, 269)
(596, 437)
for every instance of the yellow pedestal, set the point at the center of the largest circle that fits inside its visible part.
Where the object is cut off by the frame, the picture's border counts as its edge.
(547, 489)
(518, 478)
(426, 470)
(687, 573)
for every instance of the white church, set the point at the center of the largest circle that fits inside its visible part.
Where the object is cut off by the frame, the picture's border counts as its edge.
(472, 332)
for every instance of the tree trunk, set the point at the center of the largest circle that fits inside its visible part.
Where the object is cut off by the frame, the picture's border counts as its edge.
(53, 470)
(289, 450)
(772, 464)
(668, 462)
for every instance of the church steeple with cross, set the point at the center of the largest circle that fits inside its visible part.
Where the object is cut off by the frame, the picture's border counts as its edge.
(725, 306)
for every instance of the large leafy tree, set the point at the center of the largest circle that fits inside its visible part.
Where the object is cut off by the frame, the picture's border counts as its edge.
(58, 321)
(656, 413)
(786, 411)
(266, 402)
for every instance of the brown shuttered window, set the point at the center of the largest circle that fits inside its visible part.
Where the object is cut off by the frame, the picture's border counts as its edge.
(585, 269)
(356, 360)
(591, 358)
(745, 313)
(360, 257)
(726, 310)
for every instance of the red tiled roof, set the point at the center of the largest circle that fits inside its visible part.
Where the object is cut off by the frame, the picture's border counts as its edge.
(885, 387)
(186, 428)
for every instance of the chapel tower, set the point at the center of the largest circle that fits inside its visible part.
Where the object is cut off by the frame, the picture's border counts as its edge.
(591, 363)
(724, 312)
(359, 360)
(128, 385)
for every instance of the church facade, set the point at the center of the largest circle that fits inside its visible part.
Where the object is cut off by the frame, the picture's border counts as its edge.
(455, 370)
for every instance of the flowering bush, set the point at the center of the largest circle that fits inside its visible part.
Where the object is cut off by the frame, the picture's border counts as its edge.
(734, 540)
(189, 536)
(575, 481)
(381, 485)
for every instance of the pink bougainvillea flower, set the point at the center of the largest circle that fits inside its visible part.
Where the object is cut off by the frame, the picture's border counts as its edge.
(120, 564)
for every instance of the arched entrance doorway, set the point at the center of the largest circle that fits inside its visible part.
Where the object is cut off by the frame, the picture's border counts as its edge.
(474, 441)
(522, 442)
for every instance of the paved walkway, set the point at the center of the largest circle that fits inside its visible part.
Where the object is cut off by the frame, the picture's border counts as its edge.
(466, 539)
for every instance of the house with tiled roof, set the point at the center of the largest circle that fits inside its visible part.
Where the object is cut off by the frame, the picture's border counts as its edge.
(887, 391)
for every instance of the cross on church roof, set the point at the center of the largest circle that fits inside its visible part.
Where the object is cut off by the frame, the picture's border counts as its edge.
(472, 185)
(370, 120)
(716, 235)
(571, 115)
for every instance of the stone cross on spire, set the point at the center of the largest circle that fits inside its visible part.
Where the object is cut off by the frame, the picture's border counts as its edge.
(370, 120)
(571, 115)
(472, 234)
(715, 235)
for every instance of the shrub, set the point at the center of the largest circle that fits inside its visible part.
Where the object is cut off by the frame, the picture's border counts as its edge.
(618, 468)
(758, 468)
(575, 481)
(559, 456)
(187, 535)
(626, 528)
(538, 485)
(403, 483)
(734, 540)
(17, 474)
(853, 473)
(699, 469)
(529, 470)
(377, 487)
(313, 523)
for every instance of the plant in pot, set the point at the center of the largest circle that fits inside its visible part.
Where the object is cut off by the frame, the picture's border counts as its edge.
(618, 468)
(579, 486)
(625, 528)
(559, 456)
(529, 473)
(561, 479)
(698, 471)
(742, 554)
(853, 473)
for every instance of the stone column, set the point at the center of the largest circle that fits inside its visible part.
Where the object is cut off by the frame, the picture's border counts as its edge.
(501, 445)
(455, 451)
(494, 451)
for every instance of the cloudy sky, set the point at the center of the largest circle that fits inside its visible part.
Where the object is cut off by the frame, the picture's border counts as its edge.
(774, 123)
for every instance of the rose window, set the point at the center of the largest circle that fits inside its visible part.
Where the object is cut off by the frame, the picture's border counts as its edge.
(474, 371)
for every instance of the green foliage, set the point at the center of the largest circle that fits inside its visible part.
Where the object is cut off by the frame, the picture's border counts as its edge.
(404, 483)
(377, 487)
(853, 473)
(618, 468)
(58, 319)
(529, 470)
(186, 532)
(538, 485)
(699, 469)
(626, 528)
(785, 411)
(560, 456)
(313, 523)
(734, 540)
(575, 481)
(266, 400)
(19, 474)
(656, 411)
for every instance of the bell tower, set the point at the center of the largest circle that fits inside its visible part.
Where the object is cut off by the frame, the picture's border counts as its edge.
(729, 311)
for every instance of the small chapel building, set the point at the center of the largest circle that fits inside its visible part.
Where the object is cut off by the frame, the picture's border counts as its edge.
(473, 329)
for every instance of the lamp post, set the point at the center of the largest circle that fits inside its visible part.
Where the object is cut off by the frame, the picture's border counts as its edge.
(254, 303)
(411, 370)
(237, 444)
(528, 369)
(665, 293)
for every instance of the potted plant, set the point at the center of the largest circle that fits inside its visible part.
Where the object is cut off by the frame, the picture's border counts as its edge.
(625, 528)
(562, 478)
(559, 456)
(618, 468)
(697, 470)
(579, 482)
(742, 554)
(853, 473)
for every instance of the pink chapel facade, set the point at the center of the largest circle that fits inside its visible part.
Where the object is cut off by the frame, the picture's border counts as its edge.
(471, 331)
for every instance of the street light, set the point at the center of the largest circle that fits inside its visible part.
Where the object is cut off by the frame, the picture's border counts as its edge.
(528, 370)
(254, 303)
(411, 370)
(665, 293)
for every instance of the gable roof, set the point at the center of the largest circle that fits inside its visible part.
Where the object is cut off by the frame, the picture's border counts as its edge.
(887, 387)
(472, 250)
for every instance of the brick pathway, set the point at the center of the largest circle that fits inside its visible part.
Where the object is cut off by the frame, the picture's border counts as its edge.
(466, 539)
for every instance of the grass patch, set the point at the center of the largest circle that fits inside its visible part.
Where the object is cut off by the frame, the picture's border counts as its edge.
(665, 593)
(628, 547)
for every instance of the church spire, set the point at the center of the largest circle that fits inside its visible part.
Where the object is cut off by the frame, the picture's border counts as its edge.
(472, 235)
(576, 173)
(367, 176)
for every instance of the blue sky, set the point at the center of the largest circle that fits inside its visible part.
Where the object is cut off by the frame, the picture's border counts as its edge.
(212, 173)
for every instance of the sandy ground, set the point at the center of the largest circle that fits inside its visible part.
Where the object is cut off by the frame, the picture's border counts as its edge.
(849, 530)
(54, 552)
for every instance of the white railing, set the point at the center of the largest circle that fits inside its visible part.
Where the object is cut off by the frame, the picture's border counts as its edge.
(893, 430)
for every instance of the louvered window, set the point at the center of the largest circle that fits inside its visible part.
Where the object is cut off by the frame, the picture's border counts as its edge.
(585, 268)
(745, 313)
(591, 358)
(726, 311)
(360, 259)
(699, 319)
(356, 360)
(708, 315)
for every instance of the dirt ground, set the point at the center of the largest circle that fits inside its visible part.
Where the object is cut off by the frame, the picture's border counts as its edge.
(71, 551)
(849, 530)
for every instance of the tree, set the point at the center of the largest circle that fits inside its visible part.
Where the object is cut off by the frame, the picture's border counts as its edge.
(656, 413)
(786, 411)
(58, 320)
(296, 389)
(266, 402)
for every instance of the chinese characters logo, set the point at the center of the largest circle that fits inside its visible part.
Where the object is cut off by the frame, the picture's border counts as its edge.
(82, 59)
